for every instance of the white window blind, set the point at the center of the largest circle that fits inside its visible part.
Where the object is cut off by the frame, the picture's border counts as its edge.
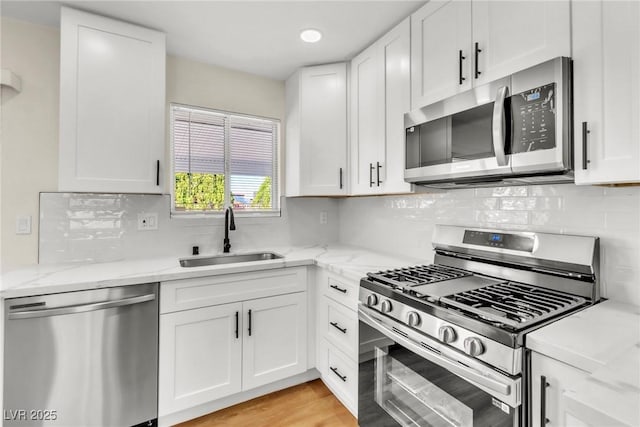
(204, 181)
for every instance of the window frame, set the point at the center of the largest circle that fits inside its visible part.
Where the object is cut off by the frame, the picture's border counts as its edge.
(276, 188)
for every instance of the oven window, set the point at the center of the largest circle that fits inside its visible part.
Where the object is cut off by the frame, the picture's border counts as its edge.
(413, 400)
(399, 388)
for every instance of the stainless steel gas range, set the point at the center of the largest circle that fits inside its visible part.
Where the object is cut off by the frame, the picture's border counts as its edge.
(443, 344)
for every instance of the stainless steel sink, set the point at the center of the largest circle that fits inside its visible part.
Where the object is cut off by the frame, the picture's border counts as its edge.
(228, 259)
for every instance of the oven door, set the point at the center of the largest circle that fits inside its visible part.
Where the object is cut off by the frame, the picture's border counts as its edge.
(408, 379)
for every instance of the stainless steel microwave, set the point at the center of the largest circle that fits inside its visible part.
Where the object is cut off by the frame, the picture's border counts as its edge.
(512, 131)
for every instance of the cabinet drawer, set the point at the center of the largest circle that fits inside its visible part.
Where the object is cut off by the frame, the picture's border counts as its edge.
(186, 294)
(341, 327)
(342, 290)
(340, 374)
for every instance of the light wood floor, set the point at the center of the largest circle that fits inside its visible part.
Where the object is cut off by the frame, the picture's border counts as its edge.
(305, 405)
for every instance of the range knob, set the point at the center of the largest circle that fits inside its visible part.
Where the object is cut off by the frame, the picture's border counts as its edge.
(413, 319)
(372, 300)
(447, 334)
(386, 307)
(473, 346)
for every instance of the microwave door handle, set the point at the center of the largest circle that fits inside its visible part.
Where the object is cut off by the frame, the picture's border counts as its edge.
(499, 126)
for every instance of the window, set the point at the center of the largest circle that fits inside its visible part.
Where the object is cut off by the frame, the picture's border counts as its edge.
(222, 159)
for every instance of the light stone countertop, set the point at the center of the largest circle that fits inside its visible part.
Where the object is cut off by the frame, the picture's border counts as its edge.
(603, 340)
(351, 262)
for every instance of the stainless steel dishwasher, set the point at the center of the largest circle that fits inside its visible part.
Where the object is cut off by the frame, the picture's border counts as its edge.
(86, 358)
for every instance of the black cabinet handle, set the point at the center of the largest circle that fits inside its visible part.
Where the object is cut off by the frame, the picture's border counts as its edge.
(335, 371)
(249, 322)
(460, 59)
(585, 132)
(339, 289)
(370, 174)
(477, 52)
(341, 178)
(237, 322)
(378, 166)
(335, 325)
(158, 172)
(543, 401)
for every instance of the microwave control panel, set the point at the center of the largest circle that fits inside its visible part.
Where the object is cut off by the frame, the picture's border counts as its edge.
(534, 119)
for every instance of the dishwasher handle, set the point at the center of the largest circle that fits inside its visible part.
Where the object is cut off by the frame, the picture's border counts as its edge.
(82, 308)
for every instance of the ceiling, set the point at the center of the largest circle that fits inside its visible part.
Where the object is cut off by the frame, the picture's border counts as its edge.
(258, 37)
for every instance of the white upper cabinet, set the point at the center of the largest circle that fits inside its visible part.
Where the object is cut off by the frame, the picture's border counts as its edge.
(606, 55)
(514, 35)
(380, 95)
(440, 51)
(460, 44)
(316, 131)
(112, 96)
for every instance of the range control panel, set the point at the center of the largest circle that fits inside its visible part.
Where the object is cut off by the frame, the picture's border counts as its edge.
(513, 242)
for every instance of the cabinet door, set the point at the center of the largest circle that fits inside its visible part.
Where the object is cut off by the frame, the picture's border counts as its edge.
(606, 55)
(323, 130)
(396, 53)
(558, 377)
(440, 31)
(367, 119)
(200, 356)
(274, 339)
(112, 95)
(514, 35)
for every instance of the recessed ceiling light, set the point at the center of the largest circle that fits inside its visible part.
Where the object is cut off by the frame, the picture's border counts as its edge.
(310, 35)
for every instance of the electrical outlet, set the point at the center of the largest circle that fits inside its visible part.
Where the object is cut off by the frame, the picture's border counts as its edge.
(324, 217)
(23, 224)
(148, 221)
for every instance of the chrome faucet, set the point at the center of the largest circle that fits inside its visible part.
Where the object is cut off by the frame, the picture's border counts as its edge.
(228, 226)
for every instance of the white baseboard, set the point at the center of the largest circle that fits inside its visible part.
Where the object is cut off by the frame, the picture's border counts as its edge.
(207, 408)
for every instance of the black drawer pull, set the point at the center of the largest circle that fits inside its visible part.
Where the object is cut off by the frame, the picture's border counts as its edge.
(341, 179)
(249, 322)
(335, 325)
(337, 288)
(157, 172)
(335, 371)
(378, 166)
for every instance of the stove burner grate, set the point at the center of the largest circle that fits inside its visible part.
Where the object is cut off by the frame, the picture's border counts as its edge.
(403, 278)
(513, 304)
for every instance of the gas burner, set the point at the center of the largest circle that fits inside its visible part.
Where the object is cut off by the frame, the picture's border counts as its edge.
(511, 304)
(405, 278)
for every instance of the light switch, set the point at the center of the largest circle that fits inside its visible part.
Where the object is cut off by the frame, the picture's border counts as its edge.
(23, 224)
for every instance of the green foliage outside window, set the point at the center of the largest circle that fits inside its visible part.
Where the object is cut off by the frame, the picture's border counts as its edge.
(263, 195)
(199, 191)
(205, 192)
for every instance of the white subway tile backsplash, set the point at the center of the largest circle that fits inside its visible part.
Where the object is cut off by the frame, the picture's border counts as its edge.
(103, 227)
(388, 224)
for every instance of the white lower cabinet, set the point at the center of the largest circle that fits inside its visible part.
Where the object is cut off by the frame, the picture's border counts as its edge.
(275, 339)
(550, 379)
(213, 352)
(337, 336)
(200, 356)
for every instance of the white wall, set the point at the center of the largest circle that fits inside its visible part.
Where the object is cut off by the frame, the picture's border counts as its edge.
(404, 224)
(29, 161)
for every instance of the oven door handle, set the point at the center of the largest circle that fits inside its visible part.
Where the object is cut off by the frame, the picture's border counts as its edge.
(468, 373)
